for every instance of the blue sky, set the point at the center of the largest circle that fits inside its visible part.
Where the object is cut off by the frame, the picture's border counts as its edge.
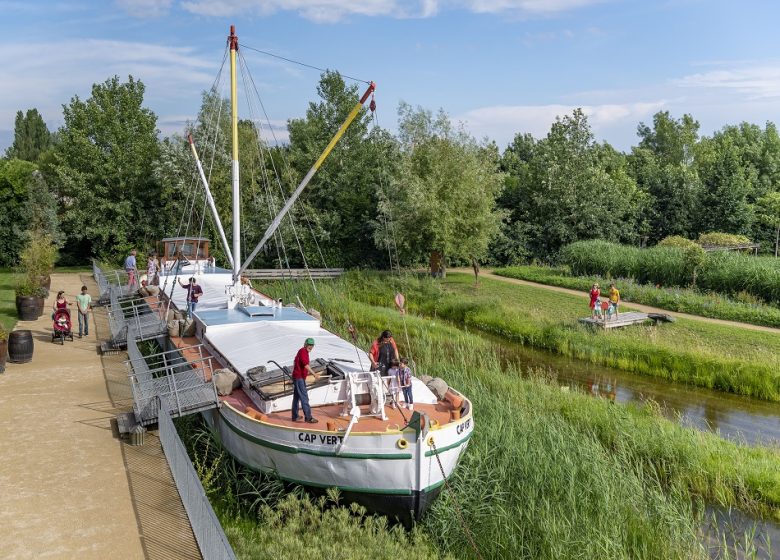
(498, 66)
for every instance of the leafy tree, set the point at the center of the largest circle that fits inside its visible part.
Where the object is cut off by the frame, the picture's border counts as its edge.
(103, 171)
(662, 166)
(769, 213)
(31, 136)
(15, 178)
(342, 199)
(725, 187)
(577, 189)
(444, 198)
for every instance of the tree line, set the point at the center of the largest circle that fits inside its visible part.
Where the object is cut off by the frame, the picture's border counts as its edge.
(105, 182)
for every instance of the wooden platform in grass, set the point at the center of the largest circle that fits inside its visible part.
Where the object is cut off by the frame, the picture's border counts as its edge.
(625, 319)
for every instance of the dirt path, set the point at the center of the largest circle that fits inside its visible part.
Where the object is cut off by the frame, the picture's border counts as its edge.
(639, 307)
(70, 488)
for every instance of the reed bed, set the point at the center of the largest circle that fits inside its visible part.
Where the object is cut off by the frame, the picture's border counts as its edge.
(723, 272)
(743, 307)
(708, 355)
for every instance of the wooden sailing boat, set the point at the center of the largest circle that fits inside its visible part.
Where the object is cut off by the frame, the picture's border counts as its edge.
(391, 462)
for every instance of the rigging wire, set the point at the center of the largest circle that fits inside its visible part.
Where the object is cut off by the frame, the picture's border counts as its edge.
(279, 183)
(243, 46)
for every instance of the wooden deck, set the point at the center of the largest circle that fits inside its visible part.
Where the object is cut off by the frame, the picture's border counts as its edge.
(440, 412)
(624, 320)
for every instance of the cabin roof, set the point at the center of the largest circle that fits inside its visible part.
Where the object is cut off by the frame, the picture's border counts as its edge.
(185, 239)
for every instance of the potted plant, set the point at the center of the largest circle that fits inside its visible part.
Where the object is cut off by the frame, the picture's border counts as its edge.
(30, 299)
(38, 258)
(3, 348)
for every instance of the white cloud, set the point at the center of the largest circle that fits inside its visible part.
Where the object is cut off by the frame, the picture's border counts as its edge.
(526, 6)
(145, 8)
(755, 82)
(502, 122)
(330, 11)
(170, 74)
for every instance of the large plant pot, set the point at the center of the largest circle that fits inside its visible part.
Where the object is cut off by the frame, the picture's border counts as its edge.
(20, 346)
(3, 354)
(29, 308)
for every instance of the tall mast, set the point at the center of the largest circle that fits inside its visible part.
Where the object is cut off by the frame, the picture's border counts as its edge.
(233, 42)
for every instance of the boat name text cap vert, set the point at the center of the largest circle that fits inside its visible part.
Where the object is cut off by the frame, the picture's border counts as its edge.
(309, 342)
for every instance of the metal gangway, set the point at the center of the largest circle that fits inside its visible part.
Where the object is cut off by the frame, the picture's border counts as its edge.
(108, 281)
(184, 386)
(143, 317)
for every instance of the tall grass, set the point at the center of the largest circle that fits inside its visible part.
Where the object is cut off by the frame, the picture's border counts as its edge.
(548, 474)
(743, 308)
(715, 356)
(262, 520)
(724, 272)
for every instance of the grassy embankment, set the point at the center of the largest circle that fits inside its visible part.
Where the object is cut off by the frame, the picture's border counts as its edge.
(548, 474)
(7, 300)
(719, 357)
(683, 300)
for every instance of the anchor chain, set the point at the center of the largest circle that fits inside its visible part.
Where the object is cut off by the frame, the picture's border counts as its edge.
(458, 509)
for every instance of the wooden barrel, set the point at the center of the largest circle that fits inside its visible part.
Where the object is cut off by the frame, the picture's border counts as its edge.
(20, 346)
(29, 308)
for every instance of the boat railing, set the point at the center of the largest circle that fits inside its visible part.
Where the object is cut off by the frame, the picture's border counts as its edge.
(205, 525)
(135, 317)
(184, 385)
(107, 280)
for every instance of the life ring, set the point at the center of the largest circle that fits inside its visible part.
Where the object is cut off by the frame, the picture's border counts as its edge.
(402, 443)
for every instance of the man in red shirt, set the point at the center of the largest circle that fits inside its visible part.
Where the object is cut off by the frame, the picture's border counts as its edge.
(301, 370)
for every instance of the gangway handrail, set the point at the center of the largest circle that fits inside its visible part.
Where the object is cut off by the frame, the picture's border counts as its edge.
(211, 538)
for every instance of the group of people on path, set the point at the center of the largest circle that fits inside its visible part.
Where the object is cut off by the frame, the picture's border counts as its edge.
(83, 305)
(152, 270)
(603, 310)
(384, 357)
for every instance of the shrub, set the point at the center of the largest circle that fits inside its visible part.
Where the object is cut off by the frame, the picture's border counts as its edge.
(676, 241)
(39, 255)
(718, 239)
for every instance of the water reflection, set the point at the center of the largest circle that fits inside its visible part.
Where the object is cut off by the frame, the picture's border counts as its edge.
(734, 417)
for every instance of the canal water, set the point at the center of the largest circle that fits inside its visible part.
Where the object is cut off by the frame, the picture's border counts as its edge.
(737, 418)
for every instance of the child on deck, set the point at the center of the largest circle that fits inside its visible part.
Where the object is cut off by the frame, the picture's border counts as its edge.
(405, 381)
(392, 372)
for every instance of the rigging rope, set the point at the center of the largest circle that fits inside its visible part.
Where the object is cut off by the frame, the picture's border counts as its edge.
(243, 46)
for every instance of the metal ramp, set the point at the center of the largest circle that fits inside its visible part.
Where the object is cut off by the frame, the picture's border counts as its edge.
(108, 281)
(168, 378)
(134, 314)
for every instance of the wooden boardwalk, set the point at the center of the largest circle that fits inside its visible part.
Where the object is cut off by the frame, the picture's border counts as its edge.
(624, 320)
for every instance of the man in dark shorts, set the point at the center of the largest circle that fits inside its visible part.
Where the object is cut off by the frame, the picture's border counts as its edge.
(301, 370)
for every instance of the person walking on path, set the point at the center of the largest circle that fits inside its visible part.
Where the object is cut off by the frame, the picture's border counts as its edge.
(595, 294)
(301, 370)
(193, 294)
(84, 304)
(131, 268)
(383, 352)
(614, 299)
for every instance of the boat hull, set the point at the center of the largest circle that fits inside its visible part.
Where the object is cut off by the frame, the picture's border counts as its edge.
(378, 470)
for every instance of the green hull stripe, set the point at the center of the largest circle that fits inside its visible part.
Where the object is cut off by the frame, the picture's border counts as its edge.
(451, 446)
(389, 492)
(294, 450)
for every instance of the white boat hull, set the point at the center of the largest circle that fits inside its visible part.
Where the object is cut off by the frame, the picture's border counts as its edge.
(377, 469)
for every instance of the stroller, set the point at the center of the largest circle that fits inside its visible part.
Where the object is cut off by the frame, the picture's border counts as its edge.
(61, 326)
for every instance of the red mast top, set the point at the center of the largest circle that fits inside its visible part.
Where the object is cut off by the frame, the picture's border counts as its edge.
(233, 39)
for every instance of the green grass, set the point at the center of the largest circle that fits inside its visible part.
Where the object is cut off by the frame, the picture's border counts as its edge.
(684, 300)
(715, 356)
(8, 315)
(548, 474)
(551, 474)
